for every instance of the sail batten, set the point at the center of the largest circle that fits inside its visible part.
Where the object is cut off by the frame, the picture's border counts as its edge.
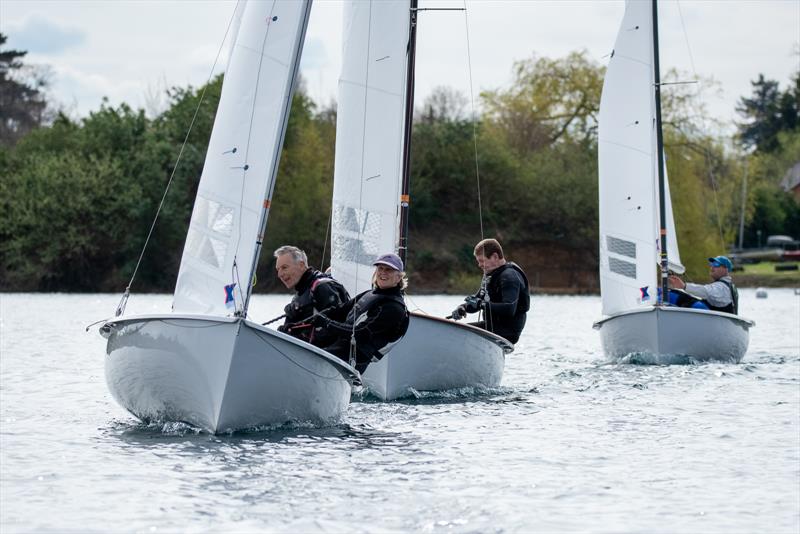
(225, 230)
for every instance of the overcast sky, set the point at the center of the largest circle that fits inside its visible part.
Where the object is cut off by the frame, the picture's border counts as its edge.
(130, 50)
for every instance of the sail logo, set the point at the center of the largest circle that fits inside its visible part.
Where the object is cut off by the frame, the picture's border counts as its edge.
(645, 296)
(230, 302)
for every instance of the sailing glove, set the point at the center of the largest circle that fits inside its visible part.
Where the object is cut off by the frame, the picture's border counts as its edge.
(459, 313)
(472, 305)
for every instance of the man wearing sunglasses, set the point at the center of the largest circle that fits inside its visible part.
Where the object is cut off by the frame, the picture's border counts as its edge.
(719, 295)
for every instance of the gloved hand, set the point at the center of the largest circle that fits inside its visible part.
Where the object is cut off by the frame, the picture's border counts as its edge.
(283, 328)
(459, 313)
(472, 304)
(290, 309)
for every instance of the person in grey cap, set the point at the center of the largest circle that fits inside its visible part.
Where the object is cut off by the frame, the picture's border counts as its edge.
(373, 321)
(719, 295)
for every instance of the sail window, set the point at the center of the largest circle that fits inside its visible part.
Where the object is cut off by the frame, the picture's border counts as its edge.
(214, 216)
(354, 250)
(357, 234)
(358, 221)
(625, 268)
(621, 247)
(206, 248)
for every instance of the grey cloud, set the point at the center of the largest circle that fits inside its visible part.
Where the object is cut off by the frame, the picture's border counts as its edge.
(39, 35)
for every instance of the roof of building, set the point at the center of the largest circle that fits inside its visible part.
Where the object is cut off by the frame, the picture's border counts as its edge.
(791, 179)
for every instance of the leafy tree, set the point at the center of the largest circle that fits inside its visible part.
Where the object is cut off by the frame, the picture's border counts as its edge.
(771, 210)
(768, 112)
(549, 101)
(22, 101)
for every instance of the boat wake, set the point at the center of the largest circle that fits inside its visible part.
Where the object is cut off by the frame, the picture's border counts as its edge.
(644, 358)
(413, 396)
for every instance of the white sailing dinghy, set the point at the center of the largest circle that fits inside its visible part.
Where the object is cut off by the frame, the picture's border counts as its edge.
(636, 221)
(206, 363)
(371, 202)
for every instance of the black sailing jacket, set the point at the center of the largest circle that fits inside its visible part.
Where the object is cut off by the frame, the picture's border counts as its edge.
(314, 292)
(509, 301)
(376, 318)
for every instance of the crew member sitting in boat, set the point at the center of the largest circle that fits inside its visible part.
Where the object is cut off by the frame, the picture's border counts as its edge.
(719, 295)
(504, 296)
(314, 292)
(373, 321)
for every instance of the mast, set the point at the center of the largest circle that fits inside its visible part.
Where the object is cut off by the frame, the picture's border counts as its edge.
(662, 215)
(409, 117)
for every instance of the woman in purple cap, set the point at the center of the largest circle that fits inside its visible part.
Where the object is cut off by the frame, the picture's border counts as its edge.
(373, 321)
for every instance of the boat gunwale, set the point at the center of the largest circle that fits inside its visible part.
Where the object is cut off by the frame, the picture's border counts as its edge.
(749, 323)
(348, 373)
(505, 344)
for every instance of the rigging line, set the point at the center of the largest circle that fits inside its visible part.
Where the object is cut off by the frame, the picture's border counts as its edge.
(686, 38)
(123, 300)
(361, 183)
(363, 145)
(713, 180)
(260, 235)
(261, 337)
(706, 153)
(325, 245)
(474, 119)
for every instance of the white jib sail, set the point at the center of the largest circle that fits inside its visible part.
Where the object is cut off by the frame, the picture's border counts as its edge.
(242, 158)
(673, 253)
(369, 138)
(626, 152)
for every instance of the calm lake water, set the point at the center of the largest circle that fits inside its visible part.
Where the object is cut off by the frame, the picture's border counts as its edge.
(568, 443)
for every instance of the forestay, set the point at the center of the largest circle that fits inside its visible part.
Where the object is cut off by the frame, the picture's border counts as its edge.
(369, 138)
(238, 176)
(629, 220)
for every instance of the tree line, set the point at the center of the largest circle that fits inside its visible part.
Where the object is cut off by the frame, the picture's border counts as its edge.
(78, 194)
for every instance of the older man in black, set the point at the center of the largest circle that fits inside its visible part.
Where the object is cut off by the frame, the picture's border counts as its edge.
(504, 296)
(314, 292)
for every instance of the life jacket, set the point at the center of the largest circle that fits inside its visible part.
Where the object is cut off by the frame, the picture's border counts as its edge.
(733, 307)
(495, 291)
(303, 304)
(365, 302)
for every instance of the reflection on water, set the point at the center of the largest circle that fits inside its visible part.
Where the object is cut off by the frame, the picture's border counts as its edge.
(568, 442)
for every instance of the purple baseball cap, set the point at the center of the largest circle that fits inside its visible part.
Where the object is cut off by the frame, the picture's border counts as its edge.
(390, 260)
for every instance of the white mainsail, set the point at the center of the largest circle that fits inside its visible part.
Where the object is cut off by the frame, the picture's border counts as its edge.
(629, 220)
(369, 138)
(242, 159)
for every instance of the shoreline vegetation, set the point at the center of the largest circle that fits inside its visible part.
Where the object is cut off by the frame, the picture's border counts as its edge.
(78, 195)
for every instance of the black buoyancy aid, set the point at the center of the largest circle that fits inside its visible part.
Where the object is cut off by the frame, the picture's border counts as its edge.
(495, 290)
(303, 303)
(369, 299)
(733, 307)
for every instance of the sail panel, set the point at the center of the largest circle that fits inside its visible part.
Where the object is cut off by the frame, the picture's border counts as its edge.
(626, 152)
(369, 138)
(242, 157)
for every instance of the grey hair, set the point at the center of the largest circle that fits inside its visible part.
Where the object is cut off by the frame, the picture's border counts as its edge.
(296, 253)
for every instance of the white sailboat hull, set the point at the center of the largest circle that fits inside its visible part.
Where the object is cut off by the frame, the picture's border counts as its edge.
(221, 374)
(435, 355)
(669, 335)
